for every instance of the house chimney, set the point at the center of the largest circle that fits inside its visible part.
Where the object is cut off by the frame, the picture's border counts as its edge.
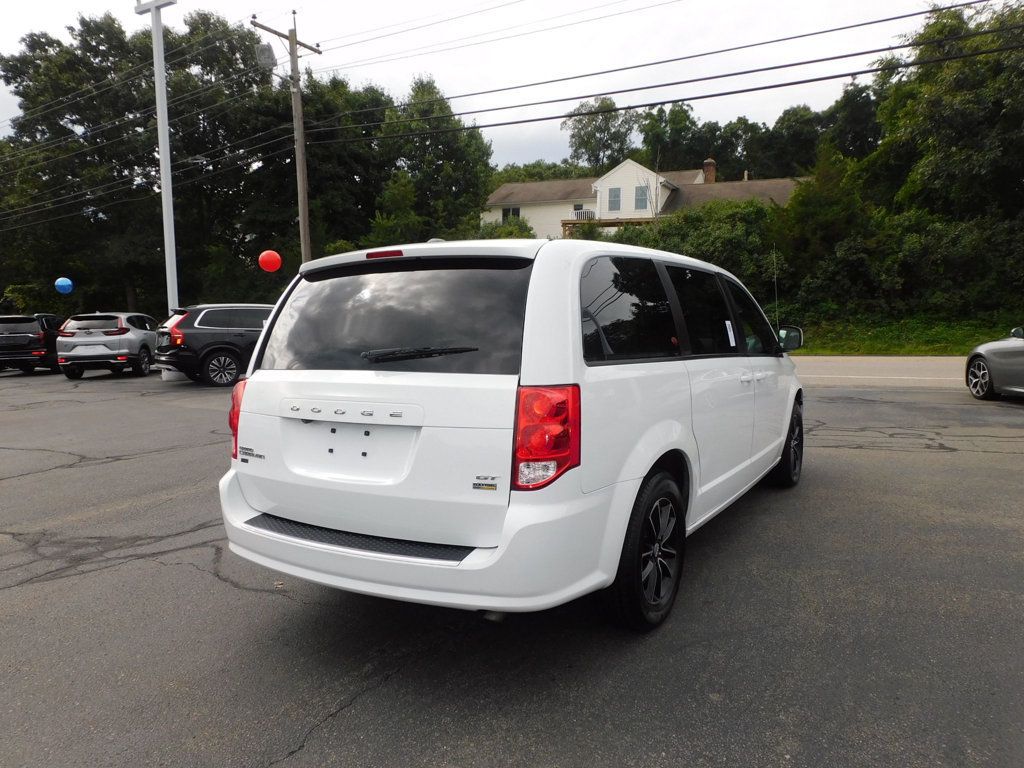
(709, 171)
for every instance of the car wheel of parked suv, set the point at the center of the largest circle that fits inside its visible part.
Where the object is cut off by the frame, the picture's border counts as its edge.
(221, 368)
(28, 370)
(651, 564)
(73, 371)
(787, 472)
(142, 365)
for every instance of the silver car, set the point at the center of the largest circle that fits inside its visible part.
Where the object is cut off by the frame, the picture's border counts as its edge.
(111, 340)
(997, 368)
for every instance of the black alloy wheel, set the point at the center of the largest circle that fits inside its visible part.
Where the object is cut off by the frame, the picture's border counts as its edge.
(73, 371)
(221, 369)
(651, 563)
(787, 472)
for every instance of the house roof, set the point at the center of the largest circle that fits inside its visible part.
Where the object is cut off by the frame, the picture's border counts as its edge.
(776, 191)
(681, 177)
(557, 190)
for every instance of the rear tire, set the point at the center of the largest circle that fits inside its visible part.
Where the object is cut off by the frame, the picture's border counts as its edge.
(221, 368)
(141, 367)
(28, 370)
(73, 371)
(787, 472)
(651, 563)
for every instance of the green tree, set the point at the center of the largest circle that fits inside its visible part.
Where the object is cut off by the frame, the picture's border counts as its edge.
(601, 140)
(514, 227)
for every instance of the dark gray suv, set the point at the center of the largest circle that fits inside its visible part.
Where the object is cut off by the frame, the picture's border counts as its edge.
(211, 342)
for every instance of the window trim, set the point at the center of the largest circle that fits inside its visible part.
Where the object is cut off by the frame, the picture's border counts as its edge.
(636, 194)
(618, 199)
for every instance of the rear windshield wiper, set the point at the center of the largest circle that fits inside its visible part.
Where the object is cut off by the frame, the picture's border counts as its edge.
(411, 353)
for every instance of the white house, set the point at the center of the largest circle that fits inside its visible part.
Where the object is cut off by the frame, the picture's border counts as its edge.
(629, 193)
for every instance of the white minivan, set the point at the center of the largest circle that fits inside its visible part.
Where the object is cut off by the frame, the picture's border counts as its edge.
(506, 425)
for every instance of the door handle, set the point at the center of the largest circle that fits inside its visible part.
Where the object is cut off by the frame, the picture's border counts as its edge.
(746, 378)
(760, 376)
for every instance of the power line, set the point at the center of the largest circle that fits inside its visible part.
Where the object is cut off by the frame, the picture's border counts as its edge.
(689, 81)
(662, 102)
(687, 57)
(423, 26)
(588, 20)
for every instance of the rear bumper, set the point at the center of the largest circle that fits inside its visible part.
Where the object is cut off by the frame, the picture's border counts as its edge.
(96, 361)
(181, 360)
(25, 357)
(552, 550)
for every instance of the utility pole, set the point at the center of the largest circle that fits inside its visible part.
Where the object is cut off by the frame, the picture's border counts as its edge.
(300, 131)
(163, 139)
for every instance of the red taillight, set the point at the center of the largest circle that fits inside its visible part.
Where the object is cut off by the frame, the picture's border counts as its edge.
(547, 435)
(233, 414)
(66, 334)
(122, 358)
(41, 337)
(39, 352)
(177, 337)
(383, 254)
(119, 331)
(62, 359)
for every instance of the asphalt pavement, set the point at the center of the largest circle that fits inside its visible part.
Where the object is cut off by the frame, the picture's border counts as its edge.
(872, 616)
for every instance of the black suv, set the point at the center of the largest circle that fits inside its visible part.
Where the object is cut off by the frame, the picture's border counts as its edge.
(210, 342)
(29, 342)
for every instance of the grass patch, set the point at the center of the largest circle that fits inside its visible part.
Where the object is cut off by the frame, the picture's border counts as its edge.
(912, 336)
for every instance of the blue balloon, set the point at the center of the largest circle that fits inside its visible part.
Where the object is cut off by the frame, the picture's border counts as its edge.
(63, 285)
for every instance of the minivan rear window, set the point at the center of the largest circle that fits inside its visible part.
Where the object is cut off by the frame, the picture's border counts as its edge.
(91, 323)
(18, 325)
(431, 315)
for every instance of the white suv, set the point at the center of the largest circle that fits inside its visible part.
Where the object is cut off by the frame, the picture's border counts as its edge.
(506, 425)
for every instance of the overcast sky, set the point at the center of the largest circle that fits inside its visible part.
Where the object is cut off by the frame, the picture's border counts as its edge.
(641, 31)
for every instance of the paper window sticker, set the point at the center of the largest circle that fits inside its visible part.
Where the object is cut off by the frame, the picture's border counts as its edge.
(732, 338)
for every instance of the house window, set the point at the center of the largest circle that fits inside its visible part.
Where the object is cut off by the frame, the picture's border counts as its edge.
(509, 213)
(577, 206)
(640, 199)
(614, 199)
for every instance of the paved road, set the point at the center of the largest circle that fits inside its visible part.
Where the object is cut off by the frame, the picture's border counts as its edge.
(880, 371)
(870, 617)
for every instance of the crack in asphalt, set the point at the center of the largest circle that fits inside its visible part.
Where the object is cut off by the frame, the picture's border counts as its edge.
(73, 556)
(937, 439)
(81, 460)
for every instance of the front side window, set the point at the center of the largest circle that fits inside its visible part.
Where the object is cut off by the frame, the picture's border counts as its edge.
(614, 199)
(640, 199)
(624, 311)
(431, 315)
(705, 312)
(756, 334)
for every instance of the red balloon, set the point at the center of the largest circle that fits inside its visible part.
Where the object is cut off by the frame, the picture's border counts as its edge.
(270, 261)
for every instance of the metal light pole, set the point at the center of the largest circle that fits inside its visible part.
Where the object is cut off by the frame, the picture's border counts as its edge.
(166, 196)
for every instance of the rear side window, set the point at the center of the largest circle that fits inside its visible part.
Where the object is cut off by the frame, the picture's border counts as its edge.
(625, 312)
(91, 323)
(18, 325)
(217, 318)
(431, 315)
(707, 318)
(250, 317)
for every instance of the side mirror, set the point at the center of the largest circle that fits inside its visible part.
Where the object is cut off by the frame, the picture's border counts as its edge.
(1017, 333)
(790, 337)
